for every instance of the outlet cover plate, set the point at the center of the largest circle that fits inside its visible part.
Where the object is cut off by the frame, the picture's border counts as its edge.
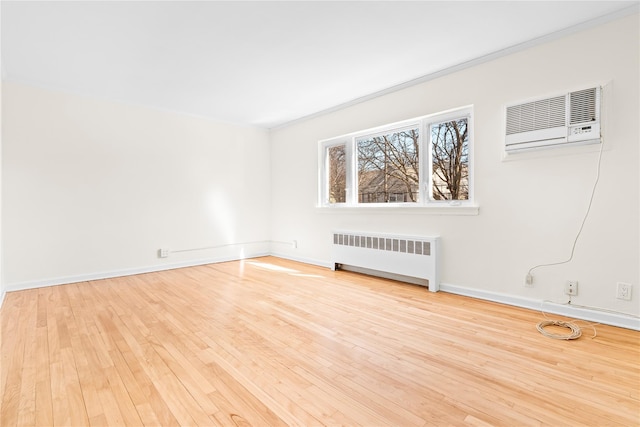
(623, 291)
(571, 287)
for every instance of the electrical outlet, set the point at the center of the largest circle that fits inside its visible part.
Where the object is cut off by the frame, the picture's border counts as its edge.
(624, 291)
(163, 252)
(571, 287)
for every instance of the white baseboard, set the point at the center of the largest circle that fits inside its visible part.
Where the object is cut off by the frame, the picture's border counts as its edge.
(125, 272)
(133, 271)
(2, 294)
(310, 261)
(576, 312)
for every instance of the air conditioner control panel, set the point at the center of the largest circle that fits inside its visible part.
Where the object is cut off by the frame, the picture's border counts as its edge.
(581, 130)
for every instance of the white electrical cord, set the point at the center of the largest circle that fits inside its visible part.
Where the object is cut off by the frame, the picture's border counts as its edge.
(584, 220)
(576, 332)
(292, 243)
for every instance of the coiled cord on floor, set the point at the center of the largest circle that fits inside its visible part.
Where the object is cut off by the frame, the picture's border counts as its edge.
(576, 332)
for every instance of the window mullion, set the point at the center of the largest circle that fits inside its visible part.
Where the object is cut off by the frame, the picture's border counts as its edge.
(428, 170)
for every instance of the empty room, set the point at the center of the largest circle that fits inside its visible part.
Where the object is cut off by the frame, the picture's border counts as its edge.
(320, 213)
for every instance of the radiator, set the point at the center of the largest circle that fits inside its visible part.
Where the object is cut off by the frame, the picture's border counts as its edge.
(410, 257)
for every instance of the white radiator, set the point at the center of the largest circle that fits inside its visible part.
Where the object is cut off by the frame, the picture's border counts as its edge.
(408, 256)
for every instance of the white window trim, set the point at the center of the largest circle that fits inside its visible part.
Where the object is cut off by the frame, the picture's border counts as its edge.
(425, 204)
(386, 208)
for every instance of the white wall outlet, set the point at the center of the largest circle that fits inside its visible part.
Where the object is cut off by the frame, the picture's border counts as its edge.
(571, 287)
(163, 252)
(623, 291)
(295, 244)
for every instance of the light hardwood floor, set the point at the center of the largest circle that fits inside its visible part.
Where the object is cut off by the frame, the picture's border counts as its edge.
(268, 342)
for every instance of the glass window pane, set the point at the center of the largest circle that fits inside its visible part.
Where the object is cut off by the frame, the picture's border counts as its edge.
(450, 160)
(337, 175)
(388, 167)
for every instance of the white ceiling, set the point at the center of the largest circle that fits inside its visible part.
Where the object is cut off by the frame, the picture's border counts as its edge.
(265, 63)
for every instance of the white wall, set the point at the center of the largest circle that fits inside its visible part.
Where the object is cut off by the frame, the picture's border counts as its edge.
(530, 207)
(2, 290)
(93, 188)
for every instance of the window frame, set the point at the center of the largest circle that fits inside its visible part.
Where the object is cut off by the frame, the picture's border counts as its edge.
(425, 172)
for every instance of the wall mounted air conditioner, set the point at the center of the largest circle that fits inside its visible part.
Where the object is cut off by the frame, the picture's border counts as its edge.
(557, 121)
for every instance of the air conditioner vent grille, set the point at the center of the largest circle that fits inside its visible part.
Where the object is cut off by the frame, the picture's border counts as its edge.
(583, 106)
(542, 114)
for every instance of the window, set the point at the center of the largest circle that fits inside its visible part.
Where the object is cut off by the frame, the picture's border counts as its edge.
(421, 162)
(388, 166)
(337, 173)
(450, 159)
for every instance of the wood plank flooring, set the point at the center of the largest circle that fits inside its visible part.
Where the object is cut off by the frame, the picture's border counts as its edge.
(270, 342)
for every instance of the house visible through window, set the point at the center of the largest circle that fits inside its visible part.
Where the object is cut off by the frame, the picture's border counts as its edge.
(419, 162)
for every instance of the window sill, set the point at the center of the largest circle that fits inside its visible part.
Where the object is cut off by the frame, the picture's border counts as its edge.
(401, 209)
